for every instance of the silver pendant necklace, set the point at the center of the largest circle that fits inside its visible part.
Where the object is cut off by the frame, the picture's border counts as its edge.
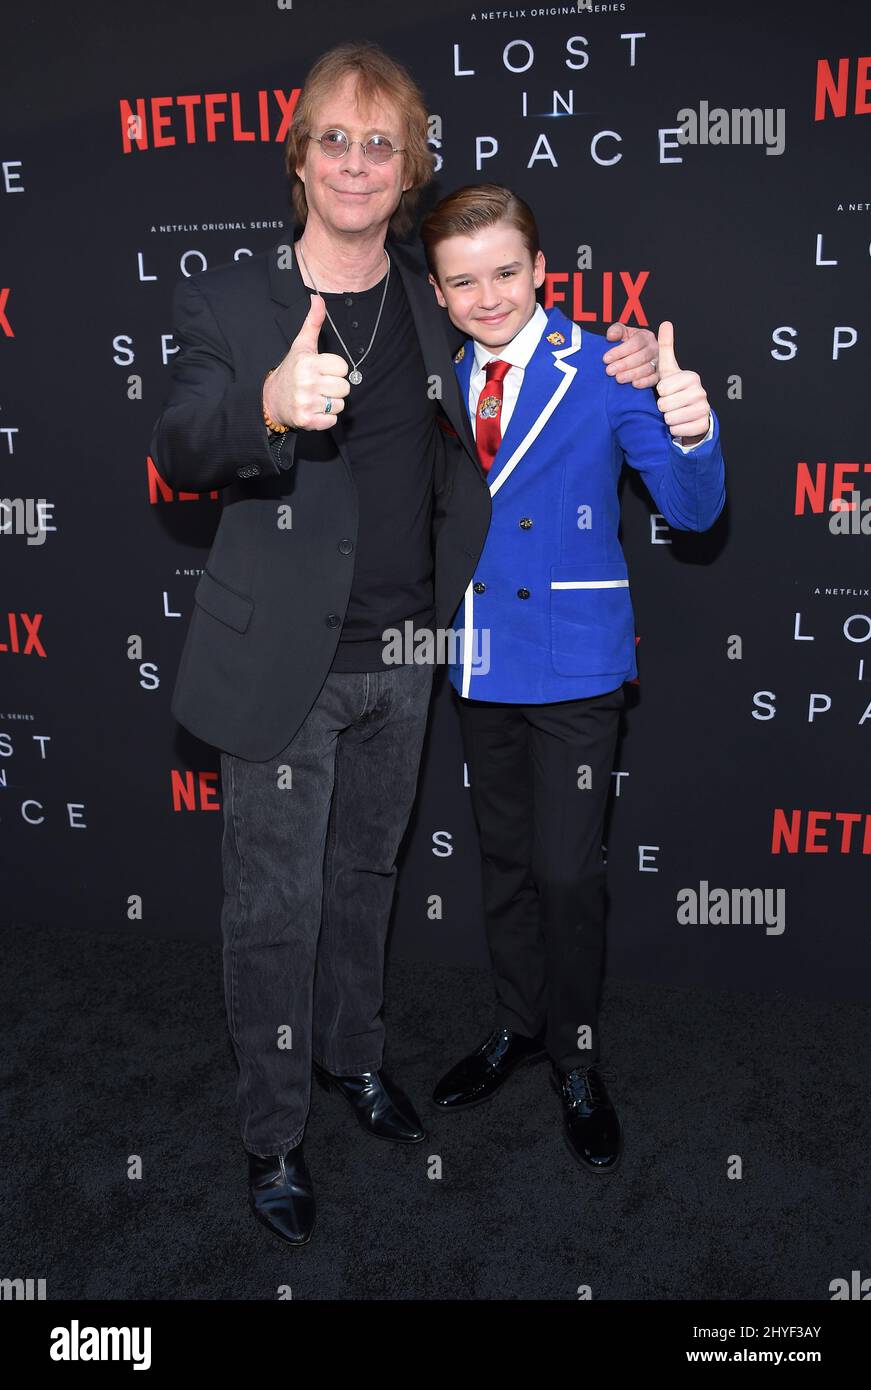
(355, 376)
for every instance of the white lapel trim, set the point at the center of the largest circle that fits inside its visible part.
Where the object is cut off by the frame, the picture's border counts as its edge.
(544, 415)
(468, 620)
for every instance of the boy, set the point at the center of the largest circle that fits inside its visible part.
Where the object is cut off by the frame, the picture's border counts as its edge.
(539, 719)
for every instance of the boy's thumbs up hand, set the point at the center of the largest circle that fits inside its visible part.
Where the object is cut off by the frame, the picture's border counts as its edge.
(297, 391)
(665, 343)
(682, 397)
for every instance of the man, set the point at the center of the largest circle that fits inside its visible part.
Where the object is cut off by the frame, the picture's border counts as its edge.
(539, 720)
(304, 389)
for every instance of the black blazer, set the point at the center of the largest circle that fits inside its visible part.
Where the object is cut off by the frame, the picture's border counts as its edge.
(269, 606)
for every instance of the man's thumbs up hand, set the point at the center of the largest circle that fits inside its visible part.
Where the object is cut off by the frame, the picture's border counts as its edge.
(298, 391)
(306, 339)
(682, 397)
(633, 357)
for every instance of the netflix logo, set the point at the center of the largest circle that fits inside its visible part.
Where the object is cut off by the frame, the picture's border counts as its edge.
(820, 832)
(833, 93)
(194, 791)
(160, 122)
(828, 483)
(592, 297)
(24, 640)
(160, 491)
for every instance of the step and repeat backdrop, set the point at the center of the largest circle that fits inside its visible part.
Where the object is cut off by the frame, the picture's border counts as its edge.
(709, 165)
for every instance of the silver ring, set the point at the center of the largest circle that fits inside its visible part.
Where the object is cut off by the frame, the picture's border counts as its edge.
(329, 404)
(654, 366)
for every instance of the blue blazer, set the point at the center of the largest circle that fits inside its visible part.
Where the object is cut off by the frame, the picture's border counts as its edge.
(548, 613)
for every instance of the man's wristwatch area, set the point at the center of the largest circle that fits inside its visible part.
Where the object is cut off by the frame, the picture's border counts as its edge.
(276, 432)
(272, 425)
(276, 440)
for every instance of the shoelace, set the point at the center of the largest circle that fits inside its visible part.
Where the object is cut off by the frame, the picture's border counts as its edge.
(585, 1086)
(495, 1045)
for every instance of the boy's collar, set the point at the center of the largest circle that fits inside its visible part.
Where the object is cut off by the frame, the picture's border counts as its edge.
(521, 347)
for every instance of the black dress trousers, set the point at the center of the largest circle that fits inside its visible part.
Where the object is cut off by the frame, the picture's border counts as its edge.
(539, 777)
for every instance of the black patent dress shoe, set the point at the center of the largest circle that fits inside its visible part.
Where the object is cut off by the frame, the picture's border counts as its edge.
(591, 1129)
(281, 1196)
(381, 1107)
(477, 1077)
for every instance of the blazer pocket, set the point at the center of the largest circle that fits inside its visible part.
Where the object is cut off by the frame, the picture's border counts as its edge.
(592, 626)
(223, 603)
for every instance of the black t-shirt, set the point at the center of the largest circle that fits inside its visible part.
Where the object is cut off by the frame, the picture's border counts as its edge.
(389, 425)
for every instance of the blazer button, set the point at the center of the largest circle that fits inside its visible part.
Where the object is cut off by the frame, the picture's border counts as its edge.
(523, 593)
(332, 620)
(479, 587)
(346, 546)
(525, 523)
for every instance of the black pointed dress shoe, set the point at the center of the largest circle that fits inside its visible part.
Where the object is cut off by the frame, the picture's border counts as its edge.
(281, 1196)
(480, 1075)
(591, 1127)
(381, 1107)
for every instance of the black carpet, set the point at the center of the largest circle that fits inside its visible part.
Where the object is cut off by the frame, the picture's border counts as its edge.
(117, 1047)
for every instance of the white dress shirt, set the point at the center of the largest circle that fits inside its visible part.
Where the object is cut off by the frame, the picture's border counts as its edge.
(519, 353)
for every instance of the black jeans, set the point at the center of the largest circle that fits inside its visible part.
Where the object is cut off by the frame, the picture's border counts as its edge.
(309, 868)
(540, 819)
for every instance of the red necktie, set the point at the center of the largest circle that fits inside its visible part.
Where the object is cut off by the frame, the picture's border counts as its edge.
(488, 431)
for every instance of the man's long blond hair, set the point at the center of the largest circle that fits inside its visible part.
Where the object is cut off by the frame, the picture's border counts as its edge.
(378, 78)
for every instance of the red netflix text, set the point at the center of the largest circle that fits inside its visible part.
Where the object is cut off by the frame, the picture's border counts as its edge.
(598, 291)
(194, 791)
(828, 481)
(160, 122)
(160, 491)
(833, 92)
(820, 832)
(28, 632)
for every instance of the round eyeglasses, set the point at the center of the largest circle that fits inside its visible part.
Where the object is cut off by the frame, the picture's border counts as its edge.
(378, 149)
